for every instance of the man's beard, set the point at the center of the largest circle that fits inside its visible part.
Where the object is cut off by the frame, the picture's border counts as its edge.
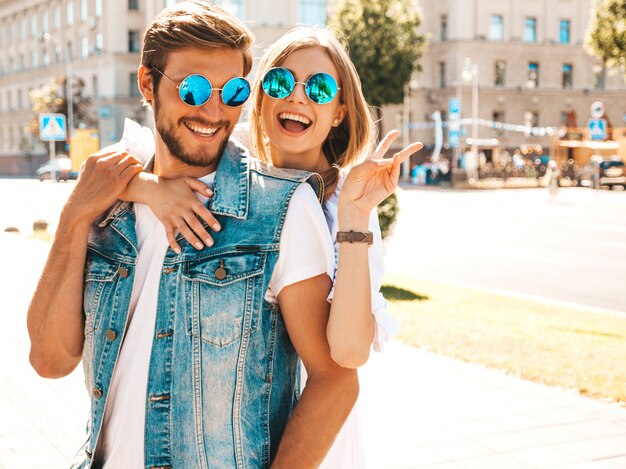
(202, 157)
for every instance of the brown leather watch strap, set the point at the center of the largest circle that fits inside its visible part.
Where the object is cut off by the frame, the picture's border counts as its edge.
(355, 237)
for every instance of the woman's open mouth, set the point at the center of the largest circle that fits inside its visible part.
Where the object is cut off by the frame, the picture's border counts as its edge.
(295, 123)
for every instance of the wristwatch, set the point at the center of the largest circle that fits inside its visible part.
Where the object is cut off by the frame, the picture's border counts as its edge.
(355, 237)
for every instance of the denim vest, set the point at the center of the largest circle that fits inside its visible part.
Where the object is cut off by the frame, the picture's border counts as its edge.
(223, 373)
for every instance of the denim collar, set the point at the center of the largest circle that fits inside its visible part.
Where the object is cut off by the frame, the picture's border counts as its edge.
(232, 183)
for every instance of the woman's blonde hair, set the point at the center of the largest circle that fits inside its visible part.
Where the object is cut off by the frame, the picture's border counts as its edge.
(345, 143)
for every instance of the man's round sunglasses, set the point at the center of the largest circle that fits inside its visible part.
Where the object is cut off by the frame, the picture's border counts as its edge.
(195, 90)
(321, 88)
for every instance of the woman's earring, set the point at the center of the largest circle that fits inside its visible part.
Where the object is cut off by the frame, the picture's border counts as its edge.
(336, 121)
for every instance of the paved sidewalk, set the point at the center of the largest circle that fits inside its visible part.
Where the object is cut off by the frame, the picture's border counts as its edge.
(419, 409)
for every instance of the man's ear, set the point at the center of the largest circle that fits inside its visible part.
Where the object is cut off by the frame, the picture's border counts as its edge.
(339, 115)
(146, 85)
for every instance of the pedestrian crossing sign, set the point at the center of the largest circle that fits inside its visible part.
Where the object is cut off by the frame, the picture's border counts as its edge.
(597, 129)
(52, 127)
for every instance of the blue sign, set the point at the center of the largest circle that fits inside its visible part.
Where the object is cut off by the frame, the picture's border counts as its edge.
(454, 122)
(455, 107)
(454, 138)
(52, 127)
(597, 129)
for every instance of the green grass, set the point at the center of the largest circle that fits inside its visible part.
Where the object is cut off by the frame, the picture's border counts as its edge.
(549, 344)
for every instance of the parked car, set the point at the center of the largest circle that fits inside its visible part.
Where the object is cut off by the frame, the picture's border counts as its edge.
(612, 173)
(59, 169)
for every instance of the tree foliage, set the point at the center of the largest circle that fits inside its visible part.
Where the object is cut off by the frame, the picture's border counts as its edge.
(383, 43)
(606, 37)
(387, 214)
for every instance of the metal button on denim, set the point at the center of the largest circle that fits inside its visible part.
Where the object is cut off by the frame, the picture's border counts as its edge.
(123, 272)
(220, 272)
(111, 334)
(97, 393)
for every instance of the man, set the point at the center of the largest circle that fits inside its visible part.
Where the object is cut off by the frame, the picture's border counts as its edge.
(191, 357)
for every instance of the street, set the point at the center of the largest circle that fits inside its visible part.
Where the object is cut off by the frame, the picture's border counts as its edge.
(571, 250)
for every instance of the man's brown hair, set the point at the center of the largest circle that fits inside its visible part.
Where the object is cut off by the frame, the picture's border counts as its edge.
(193, 24)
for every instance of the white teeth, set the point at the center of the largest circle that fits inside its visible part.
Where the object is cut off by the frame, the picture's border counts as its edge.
(295, 117)
(208, 131)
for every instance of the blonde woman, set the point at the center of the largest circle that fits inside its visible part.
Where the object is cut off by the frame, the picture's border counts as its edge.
(308, 112)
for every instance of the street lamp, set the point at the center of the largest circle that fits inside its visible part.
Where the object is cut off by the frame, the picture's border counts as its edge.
(412, 84)
(470, 73)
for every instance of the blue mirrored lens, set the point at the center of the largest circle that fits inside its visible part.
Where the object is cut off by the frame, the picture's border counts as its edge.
(321, 88)
(236, 92)
(195, 90)
(278, 83)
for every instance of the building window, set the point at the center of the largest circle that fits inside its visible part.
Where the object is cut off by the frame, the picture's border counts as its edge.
(500, 73)
(568, 76)
(83, 10)
(44, 21)
(20, 99)
(23, 28)
(564, 31)
(235, 7)
(442, 74)
(98, 8)
(133, 41)
(70, 12)
(530, 29)
(33, 59)
(312, 12)
(94, 85)
(443, 28)
(57, 17)
(33, 25)
(498, 116)
(496, 29)
(599, 74)
(134, 87)
(57, 53)
(133, 4)
(84, 47)
(99, 43)
(46, 58)
(533, 75)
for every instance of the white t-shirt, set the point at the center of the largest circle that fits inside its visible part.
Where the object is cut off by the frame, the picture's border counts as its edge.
(122, 437)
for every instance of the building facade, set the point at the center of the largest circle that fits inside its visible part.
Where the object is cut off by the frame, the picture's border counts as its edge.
(100, 42)
(530, 63)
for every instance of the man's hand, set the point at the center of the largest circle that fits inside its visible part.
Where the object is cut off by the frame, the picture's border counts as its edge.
(103, 178)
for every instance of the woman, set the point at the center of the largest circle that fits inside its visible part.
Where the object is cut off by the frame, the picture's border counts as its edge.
(308, 112)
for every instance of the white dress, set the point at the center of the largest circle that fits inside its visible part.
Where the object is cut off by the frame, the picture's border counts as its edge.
(348, 450)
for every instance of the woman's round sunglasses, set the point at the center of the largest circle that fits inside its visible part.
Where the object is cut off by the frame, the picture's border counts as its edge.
(195, 90)
(321, 88)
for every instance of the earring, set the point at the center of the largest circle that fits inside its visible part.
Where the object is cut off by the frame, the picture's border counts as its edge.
(336, 121)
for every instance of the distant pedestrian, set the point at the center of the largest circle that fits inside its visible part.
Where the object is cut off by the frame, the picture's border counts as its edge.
(552, 175)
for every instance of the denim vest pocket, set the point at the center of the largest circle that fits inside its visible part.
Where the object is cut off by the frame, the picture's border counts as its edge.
(99, 272)
(222, 294)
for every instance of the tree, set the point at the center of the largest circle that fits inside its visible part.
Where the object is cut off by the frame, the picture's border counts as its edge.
(606, 37)
(52, 98)
(383, 43)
